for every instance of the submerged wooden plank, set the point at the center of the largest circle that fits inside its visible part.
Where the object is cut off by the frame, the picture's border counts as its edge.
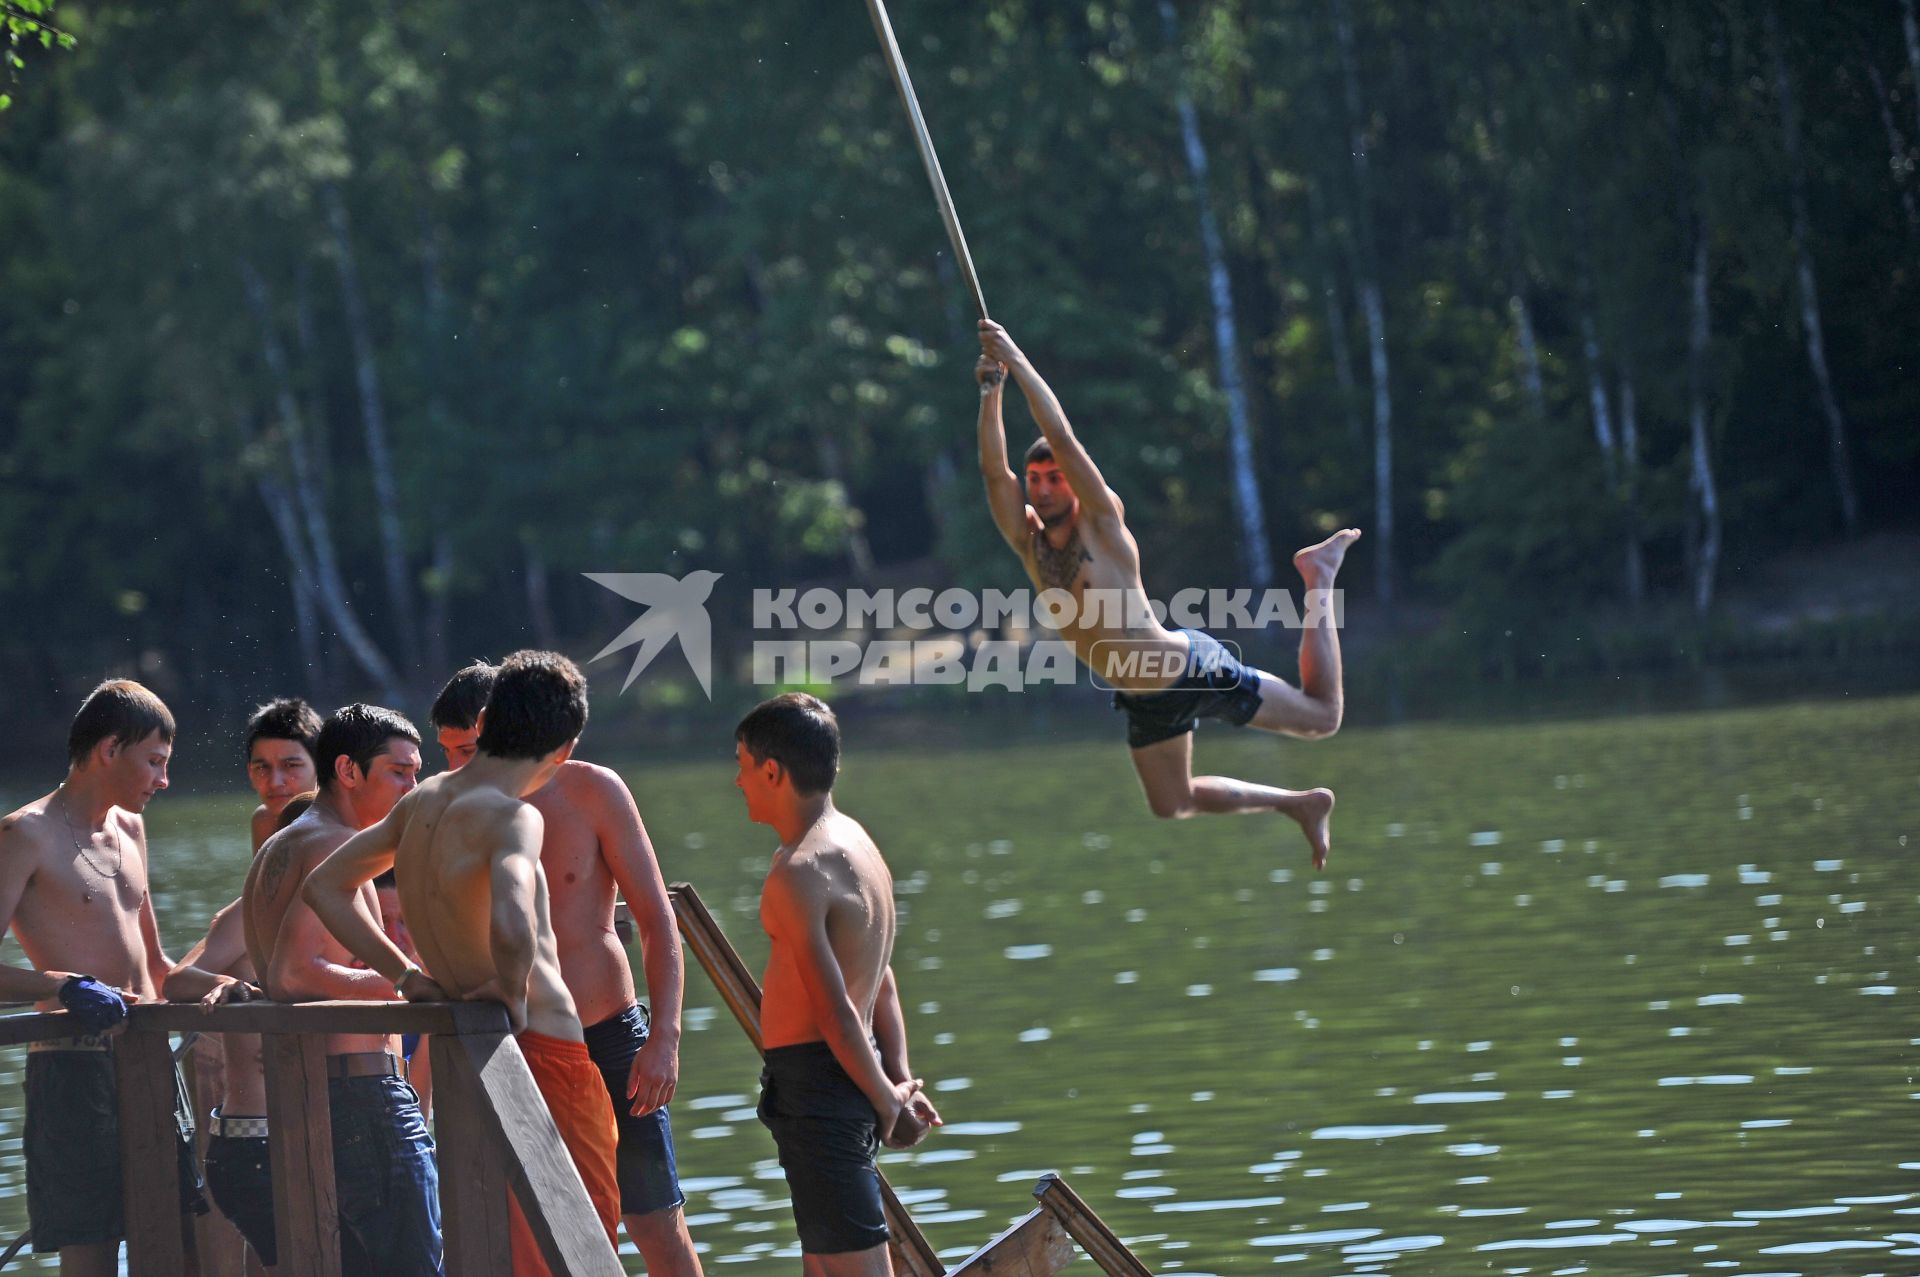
(149, 1157)
(1036, 1246)
(1087, 1228)
(913, 1254)
(306, 1209)
(551, 1194)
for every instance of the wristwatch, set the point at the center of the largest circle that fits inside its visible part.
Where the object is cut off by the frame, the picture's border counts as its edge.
(402, 977)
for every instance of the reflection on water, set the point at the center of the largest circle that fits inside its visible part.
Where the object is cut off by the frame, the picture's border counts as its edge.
(1613, 996)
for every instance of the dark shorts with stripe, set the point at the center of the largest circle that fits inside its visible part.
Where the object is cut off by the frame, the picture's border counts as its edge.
(1215, 685)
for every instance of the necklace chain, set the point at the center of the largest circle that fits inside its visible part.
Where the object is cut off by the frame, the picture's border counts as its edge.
(119, 852)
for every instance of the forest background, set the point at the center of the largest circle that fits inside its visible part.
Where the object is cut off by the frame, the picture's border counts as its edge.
(337, 340)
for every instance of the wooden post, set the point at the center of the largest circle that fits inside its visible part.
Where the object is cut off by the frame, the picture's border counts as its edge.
(306, 1209)
(913, 1254)
(1087, 1228)
(1036, 1246)
(474, 1218)
(513, 1113)
(149, 1157)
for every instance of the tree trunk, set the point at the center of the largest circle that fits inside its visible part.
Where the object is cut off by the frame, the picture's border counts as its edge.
(539, 603)
(1597, 398)
(1532, 384)
(1900, 162)
(1374, 311)
(300, 572)
(1911, 26)
(373, 421)
(1255, 554)
(1337, 340)
(330, 586)
(439, 602)
(1630, 490)
(1839, 455)
(1700, 475)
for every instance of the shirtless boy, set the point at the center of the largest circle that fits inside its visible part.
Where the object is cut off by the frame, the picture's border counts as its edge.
(74, 888)
(1070, 531)
(385, 1177)
(593, 843)
(281, 738)
(465, 848)
(836, 1082)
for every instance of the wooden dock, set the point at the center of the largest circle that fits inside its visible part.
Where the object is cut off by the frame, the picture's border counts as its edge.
(494, 1133)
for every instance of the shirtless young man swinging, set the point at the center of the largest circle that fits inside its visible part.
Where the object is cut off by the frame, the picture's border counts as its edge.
(1070, 531)
(465, 849)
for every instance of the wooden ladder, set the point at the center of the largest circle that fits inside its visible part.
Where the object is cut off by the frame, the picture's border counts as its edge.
(1038, 1245)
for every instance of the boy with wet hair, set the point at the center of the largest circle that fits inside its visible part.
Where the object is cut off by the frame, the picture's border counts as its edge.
(593, 844)
(385, 1177)
(466, 849)
(836, 1082)
(74, 887)
(281, 737)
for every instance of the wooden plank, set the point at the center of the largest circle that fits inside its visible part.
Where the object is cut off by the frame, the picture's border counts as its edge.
(1103, 1247)
(1036, 1246)
(474, 1181)
(306, 1210)
(34, 1026)
(302, 1017)
(551, 1194)
(149, 1157)
(736, 985)
(913, 1254)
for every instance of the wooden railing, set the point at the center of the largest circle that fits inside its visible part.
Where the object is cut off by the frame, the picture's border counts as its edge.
(494, 1133)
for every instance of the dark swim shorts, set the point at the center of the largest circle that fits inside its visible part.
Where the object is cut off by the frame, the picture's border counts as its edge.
(72, 1143)
(649, 1180)
(1215, 685)
(827, 1134)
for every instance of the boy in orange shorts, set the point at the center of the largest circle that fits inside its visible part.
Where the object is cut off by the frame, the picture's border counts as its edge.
(465, 849)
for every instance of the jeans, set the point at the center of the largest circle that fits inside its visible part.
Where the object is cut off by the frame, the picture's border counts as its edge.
(385, 1178)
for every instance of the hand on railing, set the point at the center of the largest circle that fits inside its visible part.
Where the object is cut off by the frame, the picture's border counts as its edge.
(94, 1006)
(230, 989)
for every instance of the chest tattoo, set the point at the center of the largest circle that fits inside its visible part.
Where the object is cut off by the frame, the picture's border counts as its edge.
(1058, 569)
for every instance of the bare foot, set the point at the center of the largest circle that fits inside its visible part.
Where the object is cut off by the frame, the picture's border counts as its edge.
(1317, 564)
(1314, 812)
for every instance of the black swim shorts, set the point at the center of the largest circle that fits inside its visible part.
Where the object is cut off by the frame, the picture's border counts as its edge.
(72, 1143)
(649, 1180)
(1215, 685)
(828, 1135)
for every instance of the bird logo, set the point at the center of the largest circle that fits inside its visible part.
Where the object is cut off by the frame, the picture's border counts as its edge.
(676, 608)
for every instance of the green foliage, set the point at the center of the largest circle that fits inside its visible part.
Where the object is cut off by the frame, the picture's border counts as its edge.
(664, 290)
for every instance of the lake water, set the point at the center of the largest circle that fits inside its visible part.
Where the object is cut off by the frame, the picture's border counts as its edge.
(1616, 995)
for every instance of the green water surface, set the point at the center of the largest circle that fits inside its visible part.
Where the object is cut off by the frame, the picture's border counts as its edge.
(1619, 995)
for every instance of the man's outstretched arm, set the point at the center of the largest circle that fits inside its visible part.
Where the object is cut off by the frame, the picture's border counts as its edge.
(1005, 499)
(1083, 476)
(333, 892)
